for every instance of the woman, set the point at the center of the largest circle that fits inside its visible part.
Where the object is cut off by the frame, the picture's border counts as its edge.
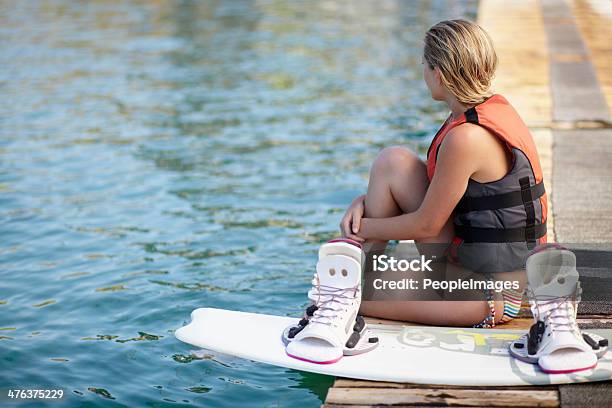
(480, 196)
(482, 150)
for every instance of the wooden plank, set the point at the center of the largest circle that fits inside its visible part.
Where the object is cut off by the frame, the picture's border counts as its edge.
(523, 74)
(573, 76)
(375, 406)
(350, 383)
(345, 406)
(475, 397)
(596, 30)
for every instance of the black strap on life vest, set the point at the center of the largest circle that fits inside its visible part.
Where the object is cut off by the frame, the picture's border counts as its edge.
(495, 202)
(530, 234)
(496, 235)
(471, 115)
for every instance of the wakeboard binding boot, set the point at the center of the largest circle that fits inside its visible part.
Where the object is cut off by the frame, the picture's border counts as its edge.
(555, 342)
(330, 327)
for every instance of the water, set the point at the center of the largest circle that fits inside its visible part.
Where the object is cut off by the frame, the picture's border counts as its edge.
(160, 156)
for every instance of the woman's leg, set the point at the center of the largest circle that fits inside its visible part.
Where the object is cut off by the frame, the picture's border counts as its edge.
(398, 183)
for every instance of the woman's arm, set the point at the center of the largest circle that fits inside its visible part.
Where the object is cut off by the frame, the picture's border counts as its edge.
(458, 159)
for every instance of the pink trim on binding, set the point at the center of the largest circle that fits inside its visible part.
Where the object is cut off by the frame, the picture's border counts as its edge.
(345, 240)
(568, 371)
(314, 362)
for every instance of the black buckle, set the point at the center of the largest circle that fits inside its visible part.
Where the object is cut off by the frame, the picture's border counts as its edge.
(530, 233)
(526, 193)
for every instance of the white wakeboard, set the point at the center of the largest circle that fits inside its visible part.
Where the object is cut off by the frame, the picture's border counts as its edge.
(414, 354)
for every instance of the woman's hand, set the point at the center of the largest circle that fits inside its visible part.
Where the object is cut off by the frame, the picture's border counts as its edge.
(349, 226)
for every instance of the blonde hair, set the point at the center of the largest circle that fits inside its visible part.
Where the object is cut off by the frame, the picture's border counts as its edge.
(464, 54)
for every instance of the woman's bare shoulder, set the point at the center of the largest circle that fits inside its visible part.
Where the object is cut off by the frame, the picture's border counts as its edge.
(466, 136)
(470, 136)
(485, 152)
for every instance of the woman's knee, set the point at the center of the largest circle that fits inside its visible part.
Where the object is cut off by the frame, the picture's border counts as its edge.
(397, 159)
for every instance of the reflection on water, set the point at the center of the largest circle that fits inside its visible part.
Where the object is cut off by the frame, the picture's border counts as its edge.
(159, 156)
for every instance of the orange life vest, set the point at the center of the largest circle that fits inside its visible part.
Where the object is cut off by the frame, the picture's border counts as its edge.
(505, 218)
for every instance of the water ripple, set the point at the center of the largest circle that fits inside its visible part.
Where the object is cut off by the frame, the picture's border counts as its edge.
(161, 156)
